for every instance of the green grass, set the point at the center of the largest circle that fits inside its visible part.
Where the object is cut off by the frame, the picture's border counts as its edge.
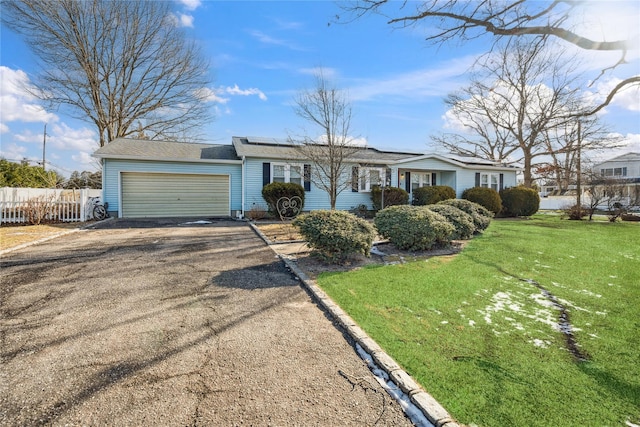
(482, 341)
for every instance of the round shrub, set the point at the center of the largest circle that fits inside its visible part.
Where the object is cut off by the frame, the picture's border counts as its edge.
(480, 215)
(487, 197)
(519, 201)
(336, 235)
(461, 221)
(273, 192)
(393, 196)
(414, 228)
(431, 195)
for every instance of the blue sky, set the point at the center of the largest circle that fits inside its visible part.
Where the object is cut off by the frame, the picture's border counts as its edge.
(263, 53)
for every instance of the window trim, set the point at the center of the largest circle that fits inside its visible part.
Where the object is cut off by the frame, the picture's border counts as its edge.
(364, 172)
(287, 171)
(490, 175)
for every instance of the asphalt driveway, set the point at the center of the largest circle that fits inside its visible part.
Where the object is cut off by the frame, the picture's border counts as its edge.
(167, 323)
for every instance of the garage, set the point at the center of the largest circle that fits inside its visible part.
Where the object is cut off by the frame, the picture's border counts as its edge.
(146, 194)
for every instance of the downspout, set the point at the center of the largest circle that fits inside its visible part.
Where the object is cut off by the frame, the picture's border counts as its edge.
(242, 173)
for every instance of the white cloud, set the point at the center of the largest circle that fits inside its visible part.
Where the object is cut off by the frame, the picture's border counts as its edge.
(216, 95)
(12, 151)
(4, 128)
(16, 103)
(181, 20)
(267, 39)
(628, 98)
(190, 4)
(210, 95)
(62, 137)
(235, 90)
(185, 20)
(436, 81)
(84, 159)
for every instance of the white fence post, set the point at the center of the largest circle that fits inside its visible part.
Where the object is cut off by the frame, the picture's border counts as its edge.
(83, 205)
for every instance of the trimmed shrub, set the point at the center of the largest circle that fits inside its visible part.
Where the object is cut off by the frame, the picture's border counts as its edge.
(480, 215)
(575, 212)
(273, 192)
(393, 196)
(519, 201)
(336, 235)
(487, 197)
(414, 228)
(462, 221)
(431, 195)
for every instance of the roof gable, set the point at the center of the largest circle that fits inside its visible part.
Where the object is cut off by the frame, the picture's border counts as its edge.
(626, 157)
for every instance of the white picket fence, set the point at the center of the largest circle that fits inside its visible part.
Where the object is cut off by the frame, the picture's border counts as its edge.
(18, 204)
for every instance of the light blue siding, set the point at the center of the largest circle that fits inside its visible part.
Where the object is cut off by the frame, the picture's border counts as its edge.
(314, 199)
(111, 176)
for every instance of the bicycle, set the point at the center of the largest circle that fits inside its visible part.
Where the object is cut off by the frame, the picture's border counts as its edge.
(99, 210)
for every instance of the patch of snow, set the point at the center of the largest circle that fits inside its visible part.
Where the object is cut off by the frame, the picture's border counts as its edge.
(197, 222)
(540, 343)
(472, 323)
(411, 410)
(589, 293)
(376, 251)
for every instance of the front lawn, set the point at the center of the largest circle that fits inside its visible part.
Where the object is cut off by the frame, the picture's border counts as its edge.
(481, 331)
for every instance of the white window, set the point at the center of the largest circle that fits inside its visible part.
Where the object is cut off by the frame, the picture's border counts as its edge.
(370, 177)
(284, 172)
(490, 180)
(614, 172)
(420, 180)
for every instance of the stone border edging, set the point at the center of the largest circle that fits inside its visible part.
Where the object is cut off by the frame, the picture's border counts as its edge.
(430, 407)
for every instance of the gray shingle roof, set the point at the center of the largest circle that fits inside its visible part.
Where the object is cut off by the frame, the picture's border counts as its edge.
(164, 150)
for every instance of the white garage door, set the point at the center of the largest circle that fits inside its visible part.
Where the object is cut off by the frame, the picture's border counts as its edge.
(174, 195)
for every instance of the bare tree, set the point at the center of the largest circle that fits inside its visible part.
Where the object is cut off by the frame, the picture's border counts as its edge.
(570, 140)
(330, 147)
(124, 66)
(518, 99)
(464, 20)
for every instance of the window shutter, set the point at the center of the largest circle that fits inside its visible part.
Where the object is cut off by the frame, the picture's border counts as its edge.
(354, 179)
(387, 177)
(266, 174)
(433, 178)
(477, 179)
(407, 182)
(501, 181)
(307, 177)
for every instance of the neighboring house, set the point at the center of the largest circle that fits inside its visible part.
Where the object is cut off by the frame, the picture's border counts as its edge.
(624, 169)
(625, 166)
(144, 178)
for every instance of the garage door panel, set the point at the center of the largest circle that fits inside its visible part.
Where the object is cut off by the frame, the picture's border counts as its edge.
(157, 194)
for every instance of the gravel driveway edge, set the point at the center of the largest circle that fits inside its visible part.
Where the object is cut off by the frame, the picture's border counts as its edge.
(426, 403)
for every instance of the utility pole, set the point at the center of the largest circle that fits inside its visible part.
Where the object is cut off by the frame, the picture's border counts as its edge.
(44, 144)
